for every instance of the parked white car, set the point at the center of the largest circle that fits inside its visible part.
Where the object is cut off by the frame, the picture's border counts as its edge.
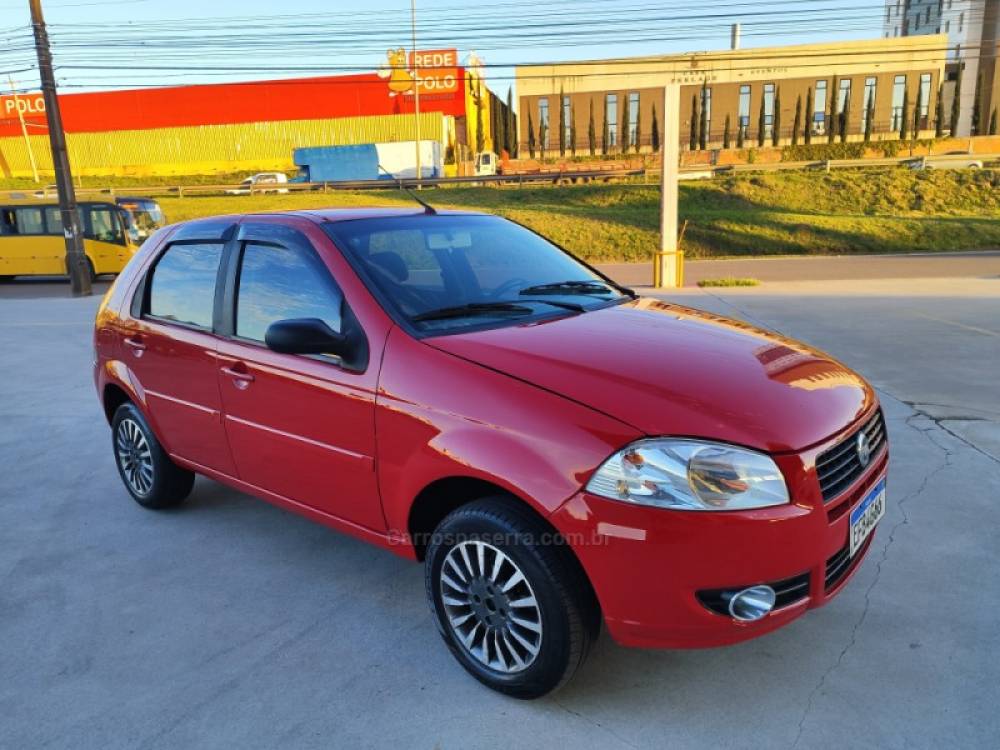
(950, 161)
(261, 183)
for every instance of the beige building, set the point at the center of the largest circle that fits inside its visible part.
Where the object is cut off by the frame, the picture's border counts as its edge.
(757, 90)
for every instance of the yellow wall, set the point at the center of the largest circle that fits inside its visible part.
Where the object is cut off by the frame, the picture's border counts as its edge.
(208, 149)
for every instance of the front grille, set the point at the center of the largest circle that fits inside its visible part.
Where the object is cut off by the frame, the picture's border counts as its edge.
(838, 566)
(787, 591)
(838, 468)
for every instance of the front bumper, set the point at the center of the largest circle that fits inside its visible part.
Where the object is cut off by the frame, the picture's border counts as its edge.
(647, 564)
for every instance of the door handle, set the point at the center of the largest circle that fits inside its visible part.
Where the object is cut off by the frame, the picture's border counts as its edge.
(137, 345)
(241, 378)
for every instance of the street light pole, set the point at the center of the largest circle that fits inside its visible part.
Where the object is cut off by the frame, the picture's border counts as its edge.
(416, 85)
(76, 259)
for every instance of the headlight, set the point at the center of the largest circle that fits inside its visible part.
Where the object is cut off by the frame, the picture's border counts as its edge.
(690, 475)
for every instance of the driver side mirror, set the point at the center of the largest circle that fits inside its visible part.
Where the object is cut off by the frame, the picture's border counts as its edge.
(306, 336)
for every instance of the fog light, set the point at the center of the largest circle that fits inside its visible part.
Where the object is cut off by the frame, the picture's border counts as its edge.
(752, 604)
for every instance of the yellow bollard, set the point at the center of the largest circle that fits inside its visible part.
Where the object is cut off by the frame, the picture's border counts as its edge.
(668, 270)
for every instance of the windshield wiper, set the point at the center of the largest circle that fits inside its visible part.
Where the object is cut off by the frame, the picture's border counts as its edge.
(569, 287)
(473, 309)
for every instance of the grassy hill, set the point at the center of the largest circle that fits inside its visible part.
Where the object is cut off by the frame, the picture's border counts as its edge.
(889, 210)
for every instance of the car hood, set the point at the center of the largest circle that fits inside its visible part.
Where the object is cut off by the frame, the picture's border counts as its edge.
(671, 370)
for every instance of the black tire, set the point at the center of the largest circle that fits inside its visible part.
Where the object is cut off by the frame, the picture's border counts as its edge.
(567, 614)
(6, 279)
(165, 484)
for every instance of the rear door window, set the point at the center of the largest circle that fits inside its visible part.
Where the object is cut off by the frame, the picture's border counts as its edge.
(182, 285)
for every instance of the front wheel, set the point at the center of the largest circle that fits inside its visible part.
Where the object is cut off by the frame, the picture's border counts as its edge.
(509, 598)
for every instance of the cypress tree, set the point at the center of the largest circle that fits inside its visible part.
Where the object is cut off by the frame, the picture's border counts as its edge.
(626, 116)
(904, 127)
(531, 136)
(725, 134)
(543, 138)
(916, 112)
(572, 129)
(695, 116)
(869, 116)
(977, 107)
(507, 129)
(993, 122)
(832, 120)
(638, 124)
(655, 132)
(797, 123)
(741, 132)
(592, 131)
(761, 123)
(604, 131)
(703, 119)
(956, 102)
(776, 127)
(562, 124)
(807, 132)
(939, 113)
(844, 114)
(480, 134)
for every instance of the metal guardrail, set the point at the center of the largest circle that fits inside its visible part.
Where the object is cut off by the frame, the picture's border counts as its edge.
(551, 177)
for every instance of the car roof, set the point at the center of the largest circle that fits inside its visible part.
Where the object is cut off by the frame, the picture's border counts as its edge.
(317, 216)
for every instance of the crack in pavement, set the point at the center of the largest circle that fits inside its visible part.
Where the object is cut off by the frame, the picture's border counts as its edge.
(939, 422)
(594, 723)
(948, 453)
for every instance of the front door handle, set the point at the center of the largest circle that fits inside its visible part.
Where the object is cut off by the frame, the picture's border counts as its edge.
(238, 372)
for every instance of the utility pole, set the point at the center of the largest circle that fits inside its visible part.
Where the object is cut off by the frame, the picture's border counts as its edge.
(24, 129)
(416, 85)
(668, 266)
(76, 259)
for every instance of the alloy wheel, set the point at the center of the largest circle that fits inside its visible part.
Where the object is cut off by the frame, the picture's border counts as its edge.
(134, 456)
(491, 607)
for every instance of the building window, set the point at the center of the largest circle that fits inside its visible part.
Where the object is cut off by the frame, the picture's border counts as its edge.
(925, 98)
(633, 118)
(543, 123)
(870, 86)
(947, 27)
(898, 94)
(567, 112)
(611, 102)
(768, 108)
(961, 21)
(819, 109)
(744, 112)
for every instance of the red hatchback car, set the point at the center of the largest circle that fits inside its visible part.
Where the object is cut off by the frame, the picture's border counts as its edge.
(451, 386)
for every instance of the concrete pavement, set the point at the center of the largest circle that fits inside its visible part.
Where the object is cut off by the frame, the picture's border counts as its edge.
(229, 623)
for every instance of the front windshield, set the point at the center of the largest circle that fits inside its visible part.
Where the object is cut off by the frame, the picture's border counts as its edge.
(144, 218)
(450, 272)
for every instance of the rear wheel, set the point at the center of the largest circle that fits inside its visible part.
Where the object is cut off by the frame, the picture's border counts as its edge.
(509, 599)
(151, 478)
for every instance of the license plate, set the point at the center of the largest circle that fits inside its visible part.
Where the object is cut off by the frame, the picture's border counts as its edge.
(865, 517)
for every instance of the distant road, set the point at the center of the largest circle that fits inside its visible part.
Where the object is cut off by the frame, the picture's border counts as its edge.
(818, 268)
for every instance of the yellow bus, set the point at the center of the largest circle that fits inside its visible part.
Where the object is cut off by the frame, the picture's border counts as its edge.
(32, 242)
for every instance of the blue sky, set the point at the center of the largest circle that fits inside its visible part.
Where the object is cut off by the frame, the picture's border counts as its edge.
(386, 20)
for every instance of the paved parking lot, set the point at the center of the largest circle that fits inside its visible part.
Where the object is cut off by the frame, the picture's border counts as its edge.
(229, 623)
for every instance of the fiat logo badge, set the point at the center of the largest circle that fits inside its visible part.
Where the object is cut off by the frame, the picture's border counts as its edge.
(864, 449)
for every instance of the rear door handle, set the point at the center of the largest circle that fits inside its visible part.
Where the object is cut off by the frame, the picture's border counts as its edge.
(241, 378)
(137, 345)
